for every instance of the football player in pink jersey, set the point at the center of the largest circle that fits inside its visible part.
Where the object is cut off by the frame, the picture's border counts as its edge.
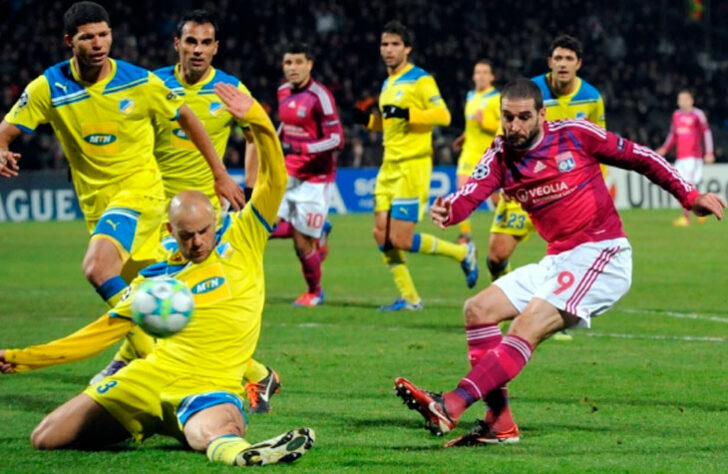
(311, 134)
(552, 169)
(689, 129)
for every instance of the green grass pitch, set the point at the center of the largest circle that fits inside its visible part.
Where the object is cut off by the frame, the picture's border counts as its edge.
(646, 389)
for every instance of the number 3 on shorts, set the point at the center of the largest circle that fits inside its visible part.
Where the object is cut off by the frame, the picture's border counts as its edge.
(565, 280)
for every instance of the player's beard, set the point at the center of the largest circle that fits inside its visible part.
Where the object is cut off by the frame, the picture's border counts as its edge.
(526, 143)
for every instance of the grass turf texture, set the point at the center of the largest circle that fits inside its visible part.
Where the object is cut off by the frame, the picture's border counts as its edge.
(632, 394)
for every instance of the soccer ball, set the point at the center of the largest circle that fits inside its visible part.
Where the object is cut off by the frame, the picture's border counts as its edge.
(162, 306)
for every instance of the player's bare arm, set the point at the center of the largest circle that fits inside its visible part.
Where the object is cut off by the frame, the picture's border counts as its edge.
(440, 212)
(457, 144)
(225, 186)
(8, 160)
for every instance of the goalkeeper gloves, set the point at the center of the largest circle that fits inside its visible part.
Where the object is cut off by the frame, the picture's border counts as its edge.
(361, 117)
(392, 111)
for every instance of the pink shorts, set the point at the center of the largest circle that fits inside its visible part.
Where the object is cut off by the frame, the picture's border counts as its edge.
(584, 281)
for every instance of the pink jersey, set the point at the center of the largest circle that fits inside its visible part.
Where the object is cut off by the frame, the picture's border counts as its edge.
(309, 118)
(559, 183)
(688, 130)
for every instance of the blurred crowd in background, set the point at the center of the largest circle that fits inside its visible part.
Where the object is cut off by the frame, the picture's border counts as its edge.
(638, 54)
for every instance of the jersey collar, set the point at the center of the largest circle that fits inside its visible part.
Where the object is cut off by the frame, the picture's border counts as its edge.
(487, 91)
(395, 76)
(567, 96)
(198, 85)
(101, 84)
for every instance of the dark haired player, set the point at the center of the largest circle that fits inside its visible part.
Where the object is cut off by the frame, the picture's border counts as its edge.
(311, 134)
(411, 106)
(101, 110)
(552, 169)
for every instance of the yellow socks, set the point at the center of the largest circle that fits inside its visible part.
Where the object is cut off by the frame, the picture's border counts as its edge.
(226, 448)
(255, 371)
(431, 245)
(465, 227)
(394, 258)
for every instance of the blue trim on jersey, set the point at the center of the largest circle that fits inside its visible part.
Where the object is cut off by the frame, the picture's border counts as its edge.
(114, 314)
(491, 93)
(166, 74)
(120, 224)
(61, 82)
(70, 100)
(406, 209)
(469, 95)
(219, 77)
(176, 115)
(587, 94)
(262, 220)
(416, 242)
(128, 85)
(192, 404)
(127, 76)
(411, 76)
(162, 268)
(111, 287)
(170, 244)
(543, 85)
(223, 228)
(25, 129)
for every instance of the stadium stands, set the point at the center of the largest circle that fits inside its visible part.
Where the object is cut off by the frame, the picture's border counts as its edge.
(637, 53)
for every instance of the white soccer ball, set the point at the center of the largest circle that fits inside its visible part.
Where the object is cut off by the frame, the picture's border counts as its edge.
(162, 306)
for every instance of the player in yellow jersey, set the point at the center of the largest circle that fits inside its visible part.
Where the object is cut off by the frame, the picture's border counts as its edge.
(101, 110)
(182, 165)
(189, 386)
(482, 120)
(194, 79)
(410, 105)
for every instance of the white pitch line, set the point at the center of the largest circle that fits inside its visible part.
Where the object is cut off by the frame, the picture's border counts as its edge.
(656, 337)
(676, 314)
(586, 332)
(713, 317)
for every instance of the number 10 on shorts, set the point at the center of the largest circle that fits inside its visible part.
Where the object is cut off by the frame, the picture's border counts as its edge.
(315, 220)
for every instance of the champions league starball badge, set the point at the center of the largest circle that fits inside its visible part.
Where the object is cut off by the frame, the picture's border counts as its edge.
(23, 100)
(481, 171)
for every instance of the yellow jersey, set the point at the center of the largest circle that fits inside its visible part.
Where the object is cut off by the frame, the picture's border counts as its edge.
(480, 134)
(584, 102)
(181, 163)
(105, 128)
(414, 89)
(228, 288)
